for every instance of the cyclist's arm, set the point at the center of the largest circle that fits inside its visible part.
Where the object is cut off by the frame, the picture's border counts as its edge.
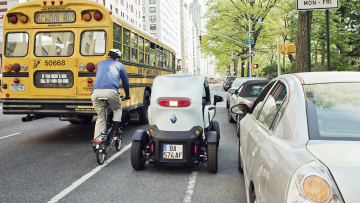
(125, 80)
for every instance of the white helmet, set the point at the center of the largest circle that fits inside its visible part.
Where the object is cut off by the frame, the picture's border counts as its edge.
(115, 53)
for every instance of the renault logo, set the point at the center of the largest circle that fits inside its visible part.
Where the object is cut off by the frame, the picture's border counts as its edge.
(173, 119)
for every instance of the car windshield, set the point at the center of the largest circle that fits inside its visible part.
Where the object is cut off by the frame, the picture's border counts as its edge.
(333, 111)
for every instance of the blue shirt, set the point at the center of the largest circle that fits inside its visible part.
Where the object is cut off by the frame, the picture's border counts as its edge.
(108, 75)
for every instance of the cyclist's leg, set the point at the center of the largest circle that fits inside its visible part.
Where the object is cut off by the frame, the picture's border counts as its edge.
(100, 122)
(115, 103)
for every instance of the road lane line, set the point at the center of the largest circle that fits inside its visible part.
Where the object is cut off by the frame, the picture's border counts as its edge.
(190, 187)
(87, 176)
(9, 135)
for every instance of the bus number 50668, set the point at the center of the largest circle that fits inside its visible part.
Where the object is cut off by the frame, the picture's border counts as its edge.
(54, 62)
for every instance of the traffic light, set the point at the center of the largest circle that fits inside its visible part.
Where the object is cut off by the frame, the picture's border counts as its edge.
(256, 65)
(200, 39)
(290, 48)
(282, 48)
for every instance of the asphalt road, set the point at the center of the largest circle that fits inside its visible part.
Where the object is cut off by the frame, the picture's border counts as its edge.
(48, 160)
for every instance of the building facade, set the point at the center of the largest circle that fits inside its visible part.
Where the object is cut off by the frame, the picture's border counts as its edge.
(161, 18)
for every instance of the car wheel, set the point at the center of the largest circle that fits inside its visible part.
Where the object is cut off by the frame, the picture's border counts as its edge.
(230, 118)
(212, 159)
(215, 127)
(253, 197)
(240, 167)
(137, 161)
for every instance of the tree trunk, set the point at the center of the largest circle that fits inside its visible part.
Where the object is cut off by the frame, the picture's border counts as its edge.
(242, 68)
(302, 59)
(236, 62)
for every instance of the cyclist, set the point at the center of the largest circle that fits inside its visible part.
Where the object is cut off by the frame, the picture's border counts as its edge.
(108, 75)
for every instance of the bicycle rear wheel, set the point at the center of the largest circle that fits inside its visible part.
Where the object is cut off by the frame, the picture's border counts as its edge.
(100, 157)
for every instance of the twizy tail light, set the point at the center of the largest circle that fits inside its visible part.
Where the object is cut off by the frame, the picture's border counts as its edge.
(97, 16)
(174, 103)
(152, 147)
(195, 149)
(97, 142)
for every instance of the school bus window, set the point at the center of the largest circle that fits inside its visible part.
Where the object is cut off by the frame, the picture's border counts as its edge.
(168, 60)
(147, 51)
(93, 43)
(161, 58)
(157, 57)
(126, 44)
(141, 49)
(165, 59)
(171, 61)
(54, 43)
(116, 36)
(17, 44)
(152, 54)
(134, 45)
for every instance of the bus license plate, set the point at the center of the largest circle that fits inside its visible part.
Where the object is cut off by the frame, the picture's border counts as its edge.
(173, 151)
(17, 87)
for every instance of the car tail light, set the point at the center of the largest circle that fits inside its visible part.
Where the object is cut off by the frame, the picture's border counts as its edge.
(16, 80)
(16, 67)
(152, 147)
(251, 104)
(13, 19)
(97, 16)
(90, 67)
(86, 16)
(8, 67)
(23, 18)
(174, 103)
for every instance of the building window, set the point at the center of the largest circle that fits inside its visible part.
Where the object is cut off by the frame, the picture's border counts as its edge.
(143, 18)
(143, 10)
(152, 1)
(154, 35)
(152, 19)
(117, 10)
(143, 2)
(144, 27)
(152, 9)
(152, 26)
(110, 7)
(104, 2)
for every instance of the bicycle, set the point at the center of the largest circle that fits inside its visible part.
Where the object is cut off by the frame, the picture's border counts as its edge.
(103, 143)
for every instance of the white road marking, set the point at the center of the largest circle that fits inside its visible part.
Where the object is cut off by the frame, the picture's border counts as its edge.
(190, 188)
(9, 135)
(87, 176)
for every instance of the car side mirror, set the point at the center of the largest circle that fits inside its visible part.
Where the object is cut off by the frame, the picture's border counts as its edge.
(239, 109)
(218, 98)
(232, 91)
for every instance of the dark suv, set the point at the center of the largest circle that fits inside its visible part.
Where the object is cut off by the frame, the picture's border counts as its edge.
(228, 81)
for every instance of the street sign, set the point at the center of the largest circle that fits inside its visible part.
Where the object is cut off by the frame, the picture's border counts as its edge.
(250, 55)
(249, 40)
(317, 4)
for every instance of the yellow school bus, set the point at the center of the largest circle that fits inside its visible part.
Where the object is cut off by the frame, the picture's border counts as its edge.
(50, 54)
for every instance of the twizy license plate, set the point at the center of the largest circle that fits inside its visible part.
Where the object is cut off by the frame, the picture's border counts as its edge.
(17, 87)
(171, 151)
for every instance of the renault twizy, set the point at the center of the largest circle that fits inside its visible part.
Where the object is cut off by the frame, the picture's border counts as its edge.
(182, 129)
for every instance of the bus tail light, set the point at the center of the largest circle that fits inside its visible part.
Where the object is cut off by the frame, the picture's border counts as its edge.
(98, 16)
(52, 2)
(7, 95)
(16, 67)
(87, 16)
(13, 19)
(89, 80)
(61, 2)
(44, 2)
(8, 67)
(90, 67)
(174, 103)
(16, 80)
(23, 18)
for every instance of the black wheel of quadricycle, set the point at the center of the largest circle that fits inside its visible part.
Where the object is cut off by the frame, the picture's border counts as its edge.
(215, 127)
(144, 119)
(212, 158)
(230, 118)
(137, 160)
(100, 157)
(240, 167)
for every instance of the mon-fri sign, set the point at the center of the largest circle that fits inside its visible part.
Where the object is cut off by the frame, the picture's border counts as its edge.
(317, 4)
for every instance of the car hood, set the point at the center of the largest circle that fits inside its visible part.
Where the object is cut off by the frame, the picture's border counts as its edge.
(343, 160)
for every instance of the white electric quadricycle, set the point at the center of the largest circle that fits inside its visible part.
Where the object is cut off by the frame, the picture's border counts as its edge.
(182, 129)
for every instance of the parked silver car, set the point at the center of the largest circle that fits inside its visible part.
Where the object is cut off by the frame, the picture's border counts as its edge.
(300, 141)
